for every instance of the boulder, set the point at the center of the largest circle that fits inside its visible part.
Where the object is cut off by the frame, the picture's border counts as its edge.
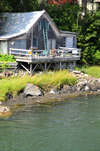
(54, 91)
(4, 111)
(87, 88)
(77, 72)
(74, 88)
(65, 89)
(32, 90)
(80, 88)
(99, 80)
(93, 87)
(9, 96)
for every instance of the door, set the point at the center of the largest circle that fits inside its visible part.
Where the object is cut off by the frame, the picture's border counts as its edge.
(52, 43)
(3, 47)
(69, 42)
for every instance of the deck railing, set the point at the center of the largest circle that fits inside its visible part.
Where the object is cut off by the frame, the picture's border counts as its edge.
(29, 54)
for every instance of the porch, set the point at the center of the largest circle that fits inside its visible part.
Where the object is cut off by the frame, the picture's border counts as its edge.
(43, 59)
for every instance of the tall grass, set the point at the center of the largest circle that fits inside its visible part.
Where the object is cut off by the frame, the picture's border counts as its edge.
(94, 71)
(16, 84)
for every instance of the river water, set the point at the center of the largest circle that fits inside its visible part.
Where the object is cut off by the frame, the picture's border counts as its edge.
(71, 126)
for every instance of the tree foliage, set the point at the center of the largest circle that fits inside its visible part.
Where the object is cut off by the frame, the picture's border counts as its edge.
(64, 14)
(64, 17)
(19, 5)
(88, 39)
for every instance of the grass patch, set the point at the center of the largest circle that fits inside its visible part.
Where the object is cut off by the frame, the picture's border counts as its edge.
(7, 61)
(49, 79)
(94, 71)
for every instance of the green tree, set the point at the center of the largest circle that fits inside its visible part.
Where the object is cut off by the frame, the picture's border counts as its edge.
(64, 17)
(19, 5)
(88, 39)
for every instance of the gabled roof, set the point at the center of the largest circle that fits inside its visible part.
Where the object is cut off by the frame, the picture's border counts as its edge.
(18, 23)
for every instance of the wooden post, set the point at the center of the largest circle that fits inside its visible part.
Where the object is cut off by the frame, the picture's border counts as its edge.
(4, 71)
(7, 47)
(31, 69)
(45, 67)
(60, 65)
(74, 64)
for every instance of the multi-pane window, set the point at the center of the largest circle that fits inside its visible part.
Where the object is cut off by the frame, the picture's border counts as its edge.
(43, 23)
(74, 41)
(69, 41)
(47, 25)
(35, 42)
(64, 41)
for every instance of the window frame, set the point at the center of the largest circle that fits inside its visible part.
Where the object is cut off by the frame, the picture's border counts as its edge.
(36, 42)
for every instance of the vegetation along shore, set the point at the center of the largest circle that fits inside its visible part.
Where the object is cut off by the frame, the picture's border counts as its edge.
(54, 87)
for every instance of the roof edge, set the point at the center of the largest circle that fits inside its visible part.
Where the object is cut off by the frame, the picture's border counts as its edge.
(68, 32)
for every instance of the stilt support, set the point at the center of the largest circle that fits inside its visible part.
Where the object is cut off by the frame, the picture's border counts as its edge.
(25, 68)
(31, 72)
(74, 64)
(60, 65)
(45, 69)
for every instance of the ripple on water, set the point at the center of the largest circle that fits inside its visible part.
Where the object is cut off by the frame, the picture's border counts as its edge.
(72, 126)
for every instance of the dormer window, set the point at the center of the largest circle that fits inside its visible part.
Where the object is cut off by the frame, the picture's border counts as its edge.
(47, 25)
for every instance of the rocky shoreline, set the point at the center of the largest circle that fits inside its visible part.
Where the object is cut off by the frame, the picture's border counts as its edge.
(33, 96)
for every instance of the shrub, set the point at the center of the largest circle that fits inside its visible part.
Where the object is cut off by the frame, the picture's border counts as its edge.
(7, 58)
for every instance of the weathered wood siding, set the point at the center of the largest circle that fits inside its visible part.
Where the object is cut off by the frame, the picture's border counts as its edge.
(34, 32)
(52, 34)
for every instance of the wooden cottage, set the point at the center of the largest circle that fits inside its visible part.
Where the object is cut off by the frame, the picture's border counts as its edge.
(36, 29)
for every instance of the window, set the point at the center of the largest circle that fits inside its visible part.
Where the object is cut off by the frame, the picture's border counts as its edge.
(70, 42)
(74, 41)
(18, 44)
(39, 25)
(35, 42)
(45, 25)
(64, 41)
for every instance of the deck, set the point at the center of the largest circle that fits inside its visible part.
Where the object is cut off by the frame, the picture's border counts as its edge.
(44, 58)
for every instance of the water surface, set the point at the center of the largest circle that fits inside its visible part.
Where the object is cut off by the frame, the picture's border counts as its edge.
(72, 126)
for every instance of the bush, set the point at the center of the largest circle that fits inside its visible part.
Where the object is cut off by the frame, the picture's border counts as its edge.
(7, 58)
(97, 57)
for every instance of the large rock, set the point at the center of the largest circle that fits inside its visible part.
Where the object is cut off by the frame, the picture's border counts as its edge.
(65, 89)
(4, 111)
(87, 88)
(32, 90)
